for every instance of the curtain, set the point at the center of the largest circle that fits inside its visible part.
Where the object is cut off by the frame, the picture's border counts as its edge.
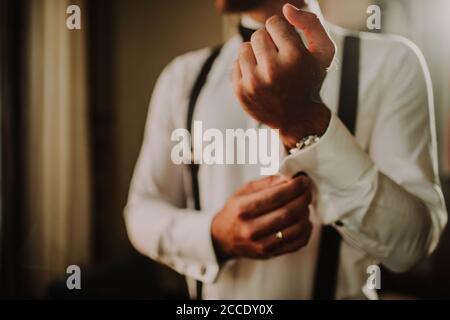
(57, 167)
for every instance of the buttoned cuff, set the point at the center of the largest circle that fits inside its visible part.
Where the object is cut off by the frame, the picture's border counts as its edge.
(334, 163)
(194, 255)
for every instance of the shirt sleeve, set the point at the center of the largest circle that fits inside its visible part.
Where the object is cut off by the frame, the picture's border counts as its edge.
(158, 224)
(386, 201)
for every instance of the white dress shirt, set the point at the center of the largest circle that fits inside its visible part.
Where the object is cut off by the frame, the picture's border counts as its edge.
(382, 184)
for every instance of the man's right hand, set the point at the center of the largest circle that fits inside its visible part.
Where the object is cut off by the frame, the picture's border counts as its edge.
(248, 224)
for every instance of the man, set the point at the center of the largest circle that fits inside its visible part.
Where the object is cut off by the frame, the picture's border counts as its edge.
(258, 238)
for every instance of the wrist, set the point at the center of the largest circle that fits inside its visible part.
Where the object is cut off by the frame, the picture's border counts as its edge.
(313, 122)
(222, 254)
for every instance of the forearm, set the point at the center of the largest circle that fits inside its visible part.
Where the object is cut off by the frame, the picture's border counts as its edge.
(178, 238)
(395, 226)
(390, 224)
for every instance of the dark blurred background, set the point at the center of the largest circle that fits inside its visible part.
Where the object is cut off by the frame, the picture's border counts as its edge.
(73, 107)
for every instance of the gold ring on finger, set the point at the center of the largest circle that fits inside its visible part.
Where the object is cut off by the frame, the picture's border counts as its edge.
(279, 235)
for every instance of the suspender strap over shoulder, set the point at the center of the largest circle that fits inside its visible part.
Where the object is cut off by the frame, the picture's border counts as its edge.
(195, 93)
(330, 241)
(348, 101)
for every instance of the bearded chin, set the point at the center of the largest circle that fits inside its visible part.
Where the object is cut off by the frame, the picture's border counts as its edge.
(235, 6)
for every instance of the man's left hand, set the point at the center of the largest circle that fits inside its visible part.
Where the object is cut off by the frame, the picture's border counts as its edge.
(278, 78)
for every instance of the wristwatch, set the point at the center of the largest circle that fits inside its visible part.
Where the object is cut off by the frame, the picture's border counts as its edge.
(306, 142)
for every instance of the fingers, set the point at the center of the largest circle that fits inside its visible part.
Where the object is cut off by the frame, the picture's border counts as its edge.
(294, 238)
(247, 60)
(263, 47)
(236, 74)
(269, 199)
(261, 184)
(299, 242)
(318, 41)
(283, 34)
(295, 211)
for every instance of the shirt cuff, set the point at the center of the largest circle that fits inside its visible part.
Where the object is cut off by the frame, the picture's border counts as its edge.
(336, 162)
(194, 256)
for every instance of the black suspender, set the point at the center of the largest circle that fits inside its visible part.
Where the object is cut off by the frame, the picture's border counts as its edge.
(348, 101)
(198, 85)
(328, 258)
(330, 241)
(196, 89)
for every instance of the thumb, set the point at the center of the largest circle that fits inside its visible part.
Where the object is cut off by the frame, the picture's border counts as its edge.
(318, 41)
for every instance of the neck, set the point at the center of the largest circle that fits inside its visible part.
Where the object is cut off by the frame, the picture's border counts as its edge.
(271, 8)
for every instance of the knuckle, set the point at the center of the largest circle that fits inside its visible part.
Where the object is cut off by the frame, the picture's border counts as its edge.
(293, 54)
(244, 49)
(262, 249)
(245, 46)
(237, 85)
(241, 210)
(239, 91)
(271, 179)
(247, 100)
(253, 85)
(258, 35)
(312, 16)
(274, 20)
(272, 74)
(245, 232)
(250, 185)
(252, 81)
